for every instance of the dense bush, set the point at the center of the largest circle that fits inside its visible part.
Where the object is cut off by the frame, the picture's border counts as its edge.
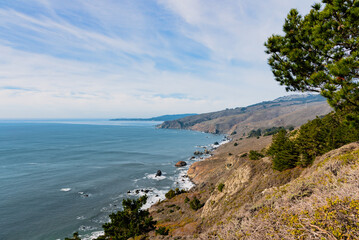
(255, 133)
(220, 187)
(130, 222)
(272, 131)
(172, 193)
(244, 155)
(254, 155)
(314, 138)
(162, 231)
(195, 204)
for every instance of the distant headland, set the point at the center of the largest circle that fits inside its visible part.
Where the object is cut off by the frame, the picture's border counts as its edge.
(159, 118)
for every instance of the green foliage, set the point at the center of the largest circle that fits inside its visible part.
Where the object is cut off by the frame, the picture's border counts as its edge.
(186, 200)
(255, 133)
(195, 204)
(172, 193)
(130, 222)
(254, 155)
(75, 236)
(233, 133)
(220, 187)
(339, 217)
(178, 191)
(322, 135)
(283, 150)
(313, 139)
(235, 144)
(319, 53)
(244, 155)
(272, 131)
(162, 231)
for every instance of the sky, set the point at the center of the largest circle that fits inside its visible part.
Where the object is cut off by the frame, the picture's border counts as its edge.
(136, 58)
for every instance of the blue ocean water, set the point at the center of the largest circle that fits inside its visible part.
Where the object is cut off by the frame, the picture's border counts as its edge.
(58, 177)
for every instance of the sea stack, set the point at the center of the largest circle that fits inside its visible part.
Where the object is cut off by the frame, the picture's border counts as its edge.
(159, 173)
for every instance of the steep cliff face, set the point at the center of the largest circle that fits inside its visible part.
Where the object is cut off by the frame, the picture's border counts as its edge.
(280, 112)
(257, 202)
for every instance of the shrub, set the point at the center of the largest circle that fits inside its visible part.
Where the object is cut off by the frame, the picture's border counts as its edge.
(178, 191)
(272, 130)
(195, 204)
(220, 187)
(186, 200)
(130, 222)
(75, 236)
(230, 154)
(233, 133)
(255, 133)
(254, 155)
(235, 144)
(244, 155)
(162, 231)
(170, 194)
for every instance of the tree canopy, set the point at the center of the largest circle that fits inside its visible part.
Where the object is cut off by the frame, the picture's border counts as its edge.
(130, 222)
(320, 53)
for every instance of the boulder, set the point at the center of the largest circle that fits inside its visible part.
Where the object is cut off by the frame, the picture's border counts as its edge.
(181, 164)
(159, 173)
(198, 153)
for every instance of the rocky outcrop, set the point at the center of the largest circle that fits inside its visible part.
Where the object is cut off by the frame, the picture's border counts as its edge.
(181, 164)
(159, 173)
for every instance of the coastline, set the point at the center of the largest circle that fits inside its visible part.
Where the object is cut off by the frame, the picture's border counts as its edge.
(182, 180)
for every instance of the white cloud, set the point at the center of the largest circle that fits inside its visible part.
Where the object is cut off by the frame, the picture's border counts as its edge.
(126, 59)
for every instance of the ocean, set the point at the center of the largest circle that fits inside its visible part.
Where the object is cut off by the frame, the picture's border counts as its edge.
(62, 176)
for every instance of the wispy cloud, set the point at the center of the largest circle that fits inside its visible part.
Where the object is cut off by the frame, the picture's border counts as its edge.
(130, 58)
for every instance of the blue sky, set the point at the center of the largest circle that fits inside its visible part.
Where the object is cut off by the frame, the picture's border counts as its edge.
(135, 58)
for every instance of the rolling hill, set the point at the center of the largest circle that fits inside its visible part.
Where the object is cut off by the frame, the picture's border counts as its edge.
(293, 110)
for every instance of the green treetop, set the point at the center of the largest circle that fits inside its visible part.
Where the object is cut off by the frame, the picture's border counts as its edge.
(320, 53)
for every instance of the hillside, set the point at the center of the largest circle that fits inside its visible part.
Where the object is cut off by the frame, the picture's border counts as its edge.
(257, 202)
(159, 118)
(291, 110)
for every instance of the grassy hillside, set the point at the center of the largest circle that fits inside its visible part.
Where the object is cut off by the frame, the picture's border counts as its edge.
(257, 202)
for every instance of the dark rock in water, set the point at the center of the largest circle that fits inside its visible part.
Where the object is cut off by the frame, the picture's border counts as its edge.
(146, 191)
(156, 195)
(128, 191)
(159, 173)
(137, 191)
(181, 164)
(198, 153)
(192, 158)
(216, 143)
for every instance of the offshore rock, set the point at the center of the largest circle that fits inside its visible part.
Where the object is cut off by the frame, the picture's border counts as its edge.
(159, 173)
(181, 164)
